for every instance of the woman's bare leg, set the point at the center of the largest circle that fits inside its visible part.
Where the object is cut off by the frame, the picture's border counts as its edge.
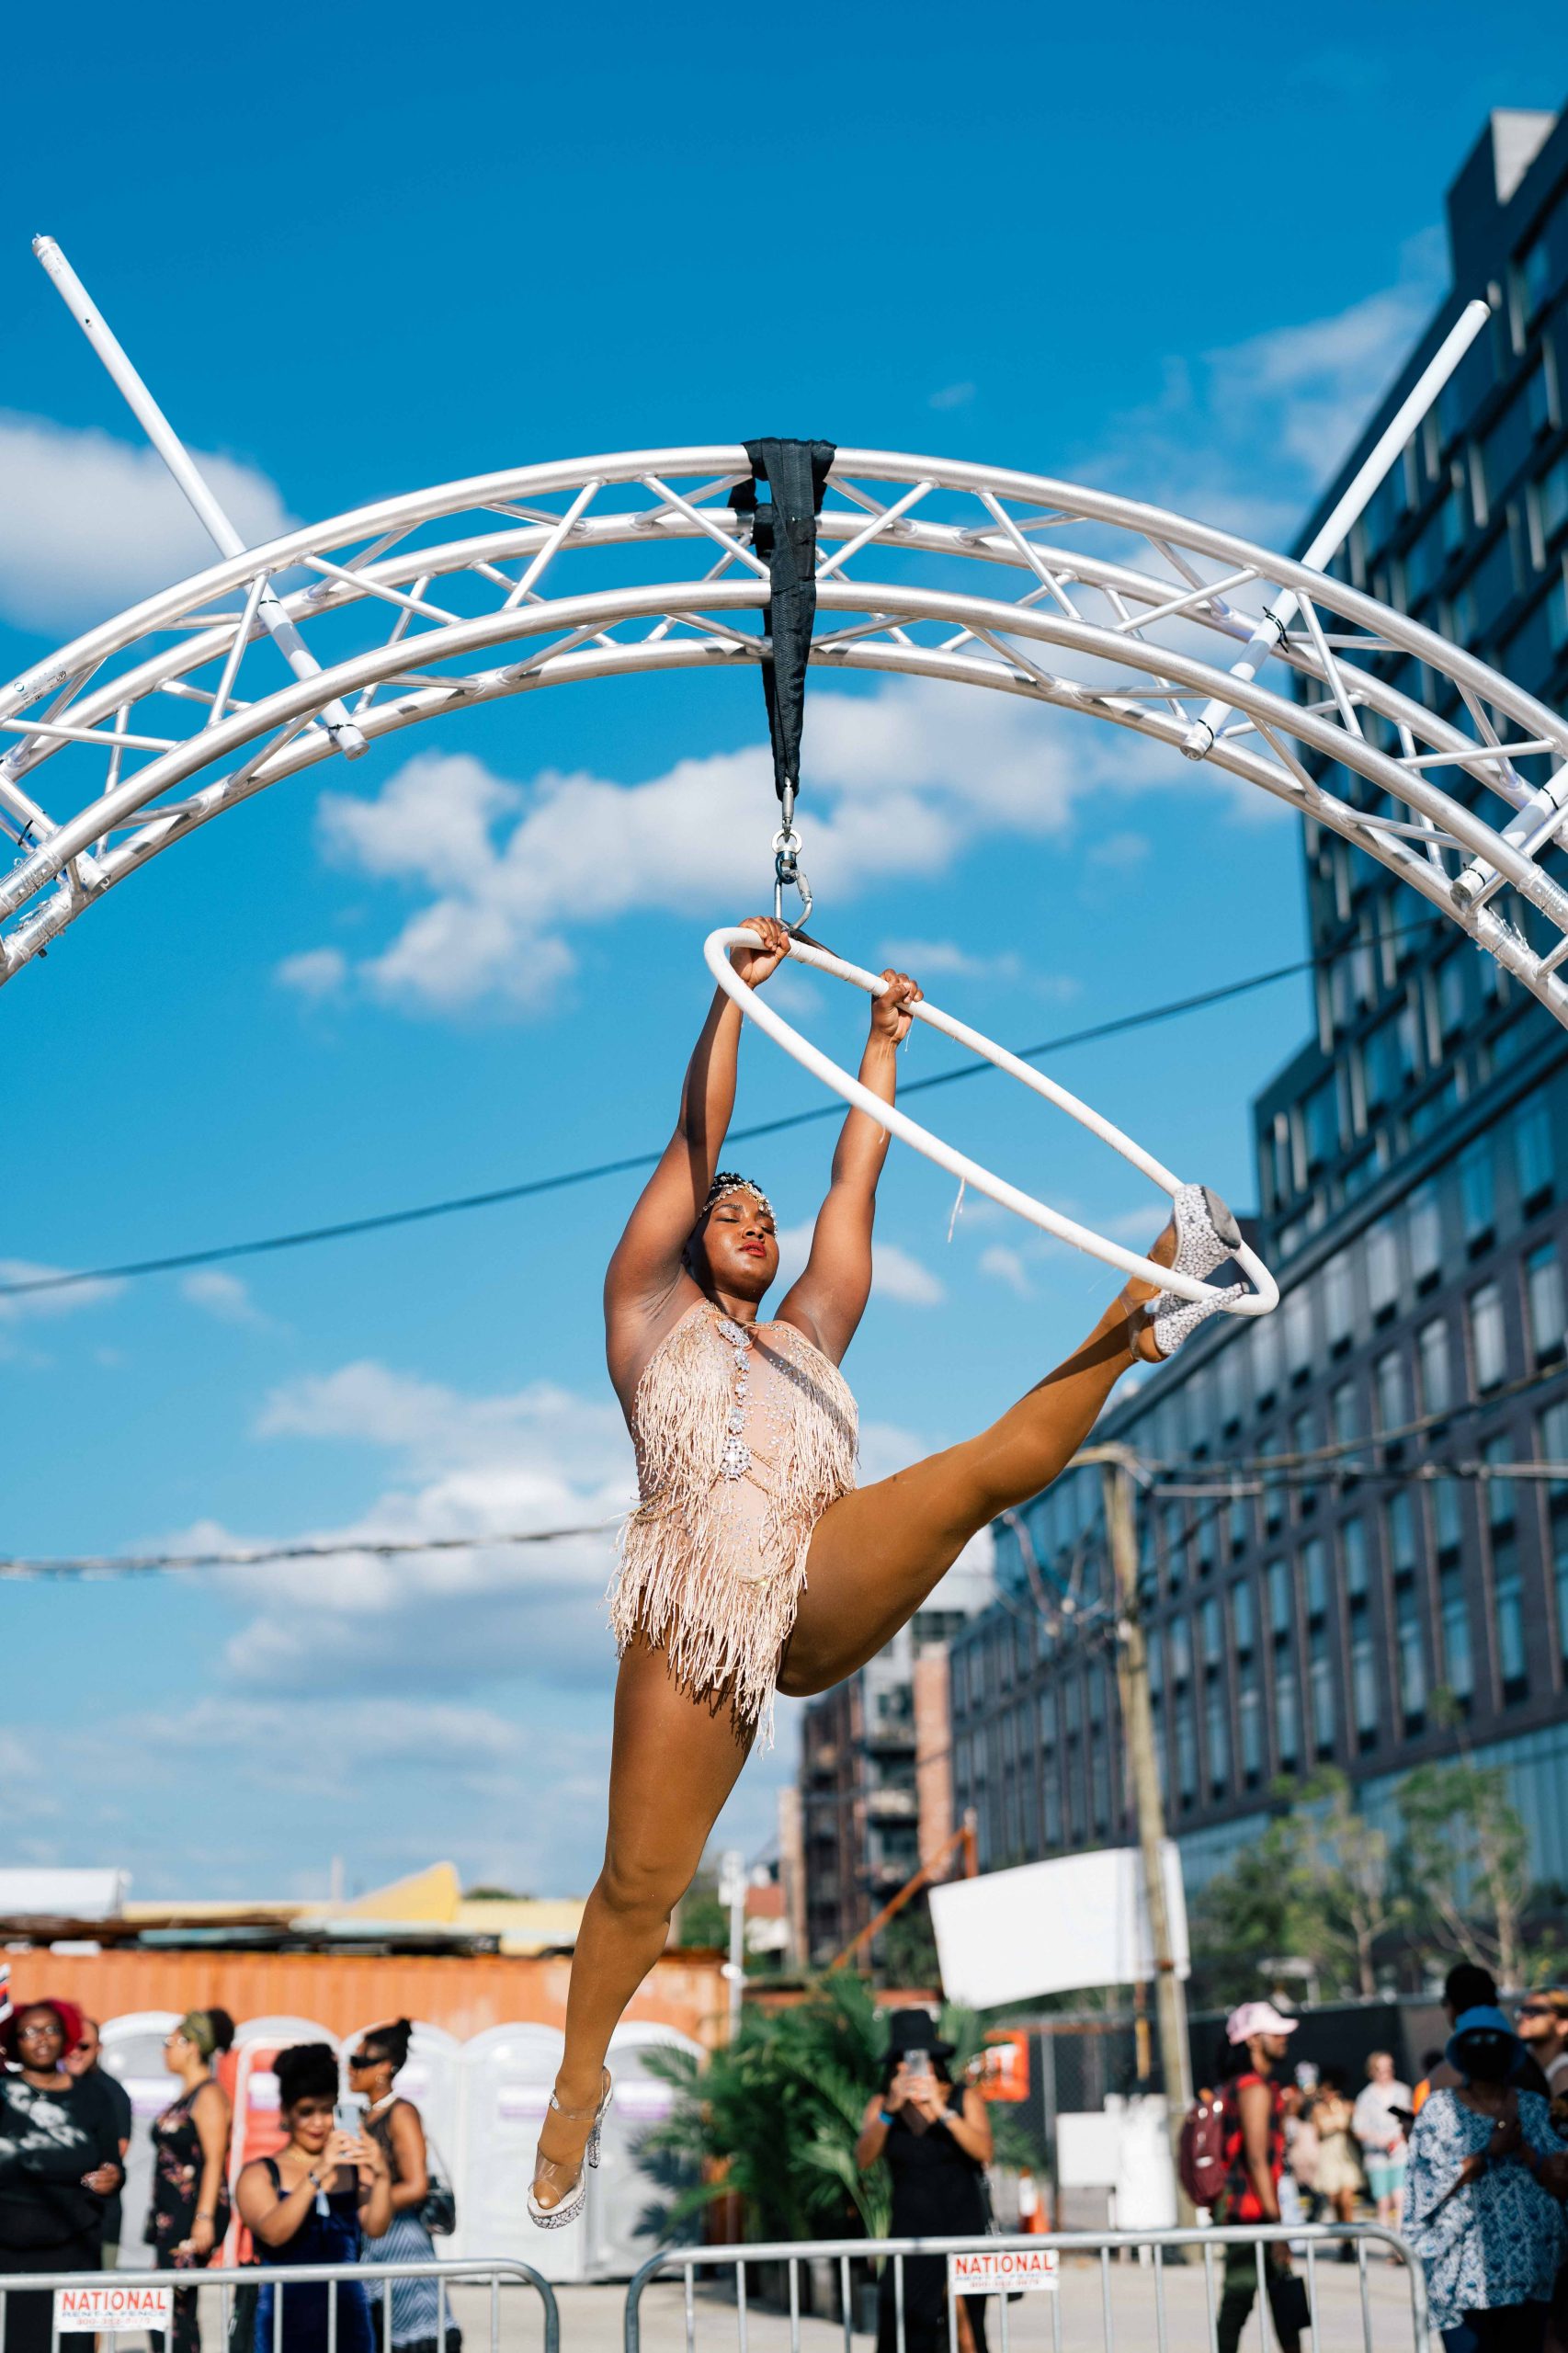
(675, 1761)
(877, 1552)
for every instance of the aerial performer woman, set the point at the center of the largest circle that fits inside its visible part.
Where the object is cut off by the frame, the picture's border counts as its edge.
(753, 1562)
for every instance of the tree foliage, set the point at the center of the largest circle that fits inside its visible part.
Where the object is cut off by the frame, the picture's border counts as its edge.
(1325, 1887)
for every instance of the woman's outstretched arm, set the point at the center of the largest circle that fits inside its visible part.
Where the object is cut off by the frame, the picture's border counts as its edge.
(830, 1297)
(647, 1261)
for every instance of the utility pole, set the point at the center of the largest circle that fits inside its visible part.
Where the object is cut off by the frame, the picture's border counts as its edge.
(733, 1894)
(1138, 1731)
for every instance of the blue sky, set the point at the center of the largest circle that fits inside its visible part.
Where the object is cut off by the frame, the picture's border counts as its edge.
(353, 258)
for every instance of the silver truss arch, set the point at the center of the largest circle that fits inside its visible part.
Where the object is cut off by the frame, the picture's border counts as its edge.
(147, 727)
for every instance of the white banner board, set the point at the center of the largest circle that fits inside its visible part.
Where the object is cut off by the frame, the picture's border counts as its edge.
(101, 2306)
(1053, 1927)
(1002, 2271)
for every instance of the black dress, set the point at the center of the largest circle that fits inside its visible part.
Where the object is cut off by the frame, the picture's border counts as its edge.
(178, 2163)
(937, 2192)
(48, 2221)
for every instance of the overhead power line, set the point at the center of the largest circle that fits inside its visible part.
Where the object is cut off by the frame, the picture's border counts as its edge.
(343, 1229)
(131, 1564)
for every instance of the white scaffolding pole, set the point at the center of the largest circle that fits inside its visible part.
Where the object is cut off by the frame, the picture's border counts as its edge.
(1269, 632)
(345, 735)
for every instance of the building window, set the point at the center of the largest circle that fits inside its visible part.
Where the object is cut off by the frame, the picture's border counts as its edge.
(1314, 1563)
(1364, 1684)
(1451, 990)
(1353, 1539)
(1338, 1302)
(1179, 1637)
(1543, 1295)
(1243, 1617)
(1424, 1227)
(1187, 1753)
(1287, 1712)
(1507, 1588)
(1432, 1358)
(1280, 1599)
(1488, 1336)
(1412, 1659)
(1320, 1680)
(1320, 1114)
(1273, 1494)
(1239, 1524)
(1533, 1158)
(1453, 1611)
(1399, 1520)
(1477, 1194)
(1388, 1382)
(1447, 1518)
(1298, 1332)
(1213, 1634)
(1218, 1732)
(1264, 1343)
(1249, 1717)
(1382, 1270)
(1551, 1446)
(1345, 1414)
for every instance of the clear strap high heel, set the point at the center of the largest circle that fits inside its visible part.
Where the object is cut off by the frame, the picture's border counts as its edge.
(568, 2180)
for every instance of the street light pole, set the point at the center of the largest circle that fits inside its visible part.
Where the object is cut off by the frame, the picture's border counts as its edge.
(1138, 1731)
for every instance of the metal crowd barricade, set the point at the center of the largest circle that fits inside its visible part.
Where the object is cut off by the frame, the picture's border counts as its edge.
(494, 2272)
(1309, 2242)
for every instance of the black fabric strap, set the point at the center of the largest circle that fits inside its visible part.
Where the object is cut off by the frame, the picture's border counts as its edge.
(784, 534)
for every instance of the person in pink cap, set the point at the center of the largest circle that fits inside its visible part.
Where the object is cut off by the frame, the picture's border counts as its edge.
(1259, 2038)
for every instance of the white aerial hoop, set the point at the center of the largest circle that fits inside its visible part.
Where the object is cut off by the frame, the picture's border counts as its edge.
(1265, 1294)
(144, 728)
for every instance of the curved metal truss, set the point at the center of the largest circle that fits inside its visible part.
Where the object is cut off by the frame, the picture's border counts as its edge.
(1363, 720)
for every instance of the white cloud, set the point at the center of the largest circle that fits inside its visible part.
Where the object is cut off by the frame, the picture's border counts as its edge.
(1006, 1265)
(317, 972)
(896, 1273)
(39, 1304)
(945, 956)
(953, 395)
(1245, 434)
(224, 1296)
(1119, 853)
(89, 524)
(904, 780)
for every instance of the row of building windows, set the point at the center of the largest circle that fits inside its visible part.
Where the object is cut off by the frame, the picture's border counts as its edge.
(1254, 1682)
(1416, 1040)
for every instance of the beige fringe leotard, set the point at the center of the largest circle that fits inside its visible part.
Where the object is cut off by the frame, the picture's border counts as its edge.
(745, 1434)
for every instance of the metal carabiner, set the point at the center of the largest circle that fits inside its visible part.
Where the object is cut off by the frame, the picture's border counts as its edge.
(788, 874)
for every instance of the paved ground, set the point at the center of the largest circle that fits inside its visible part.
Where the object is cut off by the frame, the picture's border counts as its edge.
(1072, 2321)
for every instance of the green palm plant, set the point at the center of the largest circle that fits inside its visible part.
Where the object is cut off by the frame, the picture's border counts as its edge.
(779, 2109)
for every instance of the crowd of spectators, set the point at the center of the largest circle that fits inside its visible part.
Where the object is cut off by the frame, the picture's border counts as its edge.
(351, 2183)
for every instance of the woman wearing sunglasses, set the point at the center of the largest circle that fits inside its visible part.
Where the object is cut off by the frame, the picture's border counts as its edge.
(374, 2064)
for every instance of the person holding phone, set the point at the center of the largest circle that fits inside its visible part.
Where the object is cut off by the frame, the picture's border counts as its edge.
(314, 2202)
(935, 2137)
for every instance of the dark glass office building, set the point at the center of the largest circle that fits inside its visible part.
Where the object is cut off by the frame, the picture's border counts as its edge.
(1413, 1197)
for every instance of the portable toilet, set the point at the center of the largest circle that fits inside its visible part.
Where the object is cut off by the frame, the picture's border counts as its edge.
(506, 2075)
(253, 2086)
(629, 2197)
(134, 2053)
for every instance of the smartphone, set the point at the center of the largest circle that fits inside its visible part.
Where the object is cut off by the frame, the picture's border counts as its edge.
(350, 2113)
(917, 2062)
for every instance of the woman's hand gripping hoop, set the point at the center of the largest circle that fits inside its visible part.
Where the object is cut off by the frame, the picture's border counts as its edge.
(1265, 1293)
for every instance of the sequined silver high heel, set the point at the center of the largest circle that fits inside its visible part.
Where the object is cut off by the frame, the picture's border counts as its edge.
(559, 2173)
(1207, 1234)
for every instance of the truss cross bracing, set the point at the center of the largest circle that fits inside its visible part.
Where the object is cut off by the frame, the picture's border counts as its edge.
(141, 730)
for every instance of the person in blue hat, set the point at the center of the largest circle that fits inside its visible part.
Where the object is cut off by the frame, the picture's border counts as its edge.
(1483, 2196)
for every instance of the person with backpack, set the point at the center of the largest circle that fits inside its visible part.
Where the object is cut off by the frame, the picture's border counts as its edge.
(1253, 2117)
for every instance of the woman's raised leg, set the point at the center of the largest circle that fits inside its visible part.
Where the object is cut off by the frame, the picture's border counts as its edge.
(877, 1553)
(675, 1761)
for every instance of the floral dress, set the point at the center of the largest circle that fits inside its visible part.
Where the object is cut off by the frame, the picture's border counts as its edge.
(1497, 2240)
(176, 2185)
